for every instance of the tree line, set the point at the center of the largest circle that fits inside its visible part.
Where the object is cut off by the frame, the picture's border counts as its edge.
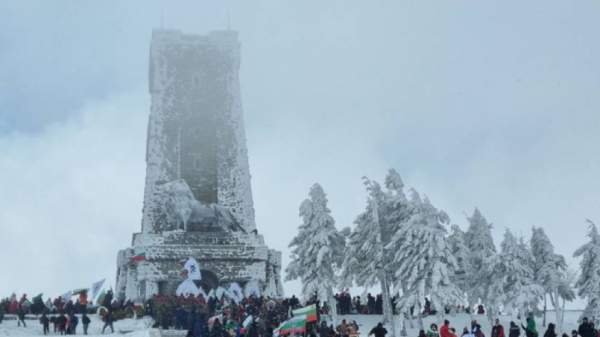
(405, 245)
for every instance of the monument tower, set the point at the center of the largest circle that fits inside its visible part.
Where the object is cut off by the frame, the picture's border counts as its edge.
(197, 199)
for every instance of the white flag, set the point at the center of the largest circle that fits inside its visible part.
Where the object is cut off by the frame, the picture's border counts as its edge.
(187, 287)
(193, 269)
(95, 289)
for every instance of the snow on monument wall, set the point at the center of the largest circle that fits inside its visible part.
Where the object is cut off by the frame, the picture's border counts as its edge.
(196, 128)
(197, 199)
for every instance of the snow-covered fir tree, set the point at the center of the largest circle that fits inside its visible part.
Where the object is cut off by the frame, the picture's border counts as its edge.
(424, 259)
(318, 249)
(460, 250)
(394, 208)
(482, 252)
(368, 262)
(513, 281)
(551, 274)
(588, 283)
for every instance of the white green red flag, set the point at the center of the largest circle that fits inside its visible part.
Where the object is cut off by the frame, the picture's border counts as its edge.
(294, 325)
(310, 313)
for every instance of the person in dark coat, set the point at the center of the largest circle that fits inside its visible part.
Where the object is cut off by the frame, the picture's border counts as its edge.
(323, 330)
(107, 302)
(370, 304)
(108, 322)
(586, 329)
(378, 331)
(514, 330)
(85, 320)
(217, 329)
(73, 322)
(252, 330)
(199, 328)
(550, 331)
(180, 318)
(45, 322)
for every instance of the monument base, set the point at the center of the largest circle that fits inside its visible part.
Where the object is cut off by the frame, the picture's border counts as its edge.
(153, 265)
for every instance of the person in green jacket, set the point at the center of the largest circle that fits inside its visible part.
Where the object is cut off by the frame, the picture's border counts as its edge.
(530, 329)
(433, 331)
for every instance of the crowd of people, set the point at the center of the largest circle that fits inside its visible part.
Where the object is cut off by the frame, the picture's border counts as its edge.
(346, 304)
(586, 329)
(253, 316)
(66, 315)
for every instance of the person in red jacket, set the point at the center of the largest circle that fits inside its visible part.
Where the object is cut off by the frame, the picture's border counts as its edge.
(497, 329)
(445, 329)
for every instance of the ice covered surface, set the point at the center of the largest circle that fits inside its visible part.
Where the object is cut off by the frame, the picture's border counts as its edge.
(141, 328)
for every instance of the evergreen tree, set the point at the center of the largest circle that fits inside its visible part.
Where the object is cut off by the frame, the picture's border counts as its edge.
(367, 260)
(588, 282)
(317, 250)
(460, 250)
(551, 273)
(482, 252)
(513, 278)
(424, 259)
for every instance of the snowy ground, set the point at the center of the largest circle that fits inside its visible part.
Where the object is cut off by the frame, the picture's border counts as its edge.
(141, 328)
(126, 327)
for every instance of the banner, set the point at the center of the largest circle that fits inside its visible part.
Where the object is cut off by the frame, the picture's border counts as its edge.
(193, 269)
(310, 312)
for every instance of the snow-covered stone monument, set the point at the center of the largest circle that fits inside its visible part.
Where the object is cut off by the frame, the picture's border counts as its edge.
(198, 198)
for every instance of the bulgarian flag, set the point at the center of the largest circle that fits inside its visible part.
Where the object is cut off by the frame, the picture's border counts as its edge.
(138, 258)
(309, 313)
(294, 325)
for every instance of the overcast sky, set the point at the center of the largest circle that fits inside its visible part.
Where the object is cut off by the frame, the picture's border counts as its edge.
(489, 104)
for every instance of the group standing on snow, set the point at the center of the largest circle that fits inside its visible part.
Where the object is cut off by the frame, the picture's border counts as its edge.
(63, 317)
